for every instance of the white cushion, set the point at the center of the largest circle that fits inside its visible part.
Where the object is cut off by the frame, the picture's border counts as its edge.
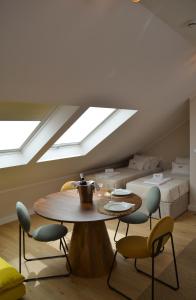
(182, 160)
(182, 169)
(153, 164)
(142, 162)
(132, 164)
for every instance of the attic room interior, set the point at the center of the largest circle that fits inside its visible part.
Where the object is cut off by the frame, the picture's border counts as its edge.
(97, 149)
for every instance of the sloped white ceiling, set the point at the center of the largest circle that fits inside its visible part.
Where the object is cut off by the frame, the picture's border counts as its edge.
(99, 53)
(177, 14)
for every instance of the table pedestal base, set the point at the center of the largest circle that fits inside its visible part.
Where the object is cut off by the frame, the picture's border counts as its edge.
(90, 251)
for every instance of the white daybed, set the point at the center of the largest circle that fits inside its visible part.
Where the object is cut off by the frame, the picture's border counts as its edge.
(174, 193)
(119, 177)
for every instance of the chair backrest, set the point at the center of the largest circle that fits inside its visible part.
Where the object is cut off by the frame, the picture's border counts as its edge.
(69, 185)
(152, 199)
(23, 216)
(164, 226)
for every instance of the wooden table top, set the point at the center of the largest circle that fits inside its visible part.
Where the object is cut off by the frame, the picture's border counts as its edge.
(66, 207)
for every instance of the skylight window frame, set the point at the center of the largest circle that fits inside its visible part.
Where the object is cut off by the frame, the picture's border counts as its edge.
(86, 137)
(33, 133)
(97, 136)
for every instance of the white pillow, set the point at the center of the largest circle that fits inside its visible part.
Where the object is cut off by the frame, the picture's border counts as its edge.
(150, 162)
(142, 162)
(154, 161)
(132, 164)
(137, 163)
(182, 160)
(180, 169)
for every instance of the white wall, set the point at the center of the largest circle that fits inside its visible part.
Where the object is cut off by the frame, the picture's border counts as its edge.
(192, 205)
(28, 182)
(173, 144)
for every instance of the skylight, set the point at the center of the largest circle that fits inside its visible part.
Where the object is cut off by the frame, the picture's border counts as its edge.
(84, 125)
(13, 134)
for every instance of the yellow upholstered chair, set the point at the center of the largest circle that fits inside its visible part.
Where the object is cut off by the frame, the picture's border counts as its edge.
(142, 247)
(11, 282)
(69, 185)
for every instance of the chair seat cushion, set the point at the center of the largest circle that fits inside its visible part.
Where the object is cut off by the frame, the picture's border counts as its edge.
(14, 293)
(48, 233)
(9, 276)
(135, 218)
(133, 247)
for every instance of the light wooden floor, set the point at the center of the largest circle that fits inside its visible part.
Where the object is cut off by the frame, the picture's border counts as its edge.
(74, 288)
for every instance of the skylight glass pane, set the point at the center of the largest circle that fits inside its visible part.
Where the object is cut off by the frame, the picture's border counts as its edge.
(14, 133)
(85, 124)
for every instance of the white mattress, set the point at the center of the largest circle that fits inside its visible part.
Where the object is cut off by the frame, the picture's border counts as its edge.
(120, 177)
(170, 190)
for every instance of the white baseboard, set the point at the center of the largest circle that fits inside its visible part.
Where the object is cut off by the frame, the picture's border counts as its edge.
(12, 218)
(192, 207)
(8, 219)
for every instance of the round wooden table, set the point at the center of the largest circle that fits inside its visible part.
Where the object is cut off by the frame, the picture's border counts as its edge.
(90, 251)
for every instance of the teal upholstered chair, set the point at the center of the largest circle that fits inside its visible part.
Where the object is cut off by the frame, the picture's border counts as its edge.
(152, 202)
(45, 233)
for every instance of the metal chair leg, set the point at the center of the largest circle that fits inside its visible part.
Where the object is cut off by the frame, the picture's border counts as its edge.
(152, 288)
(65, 244)
(109, 277)
(159, 212)
(20, 252)
(116, 231)
(159, 280)
(127, 229)
(175, 264)
(22, 245)
(60, 245)
(150, 217)
(68, 262)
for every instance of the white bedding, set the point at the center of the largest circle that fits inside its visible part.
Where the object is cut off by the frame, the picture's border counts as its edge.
(170, 190)
(120, 177)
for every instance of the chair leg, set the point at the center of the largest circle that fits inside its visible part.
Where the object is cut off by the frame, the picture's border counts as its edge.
(175, 264)
(159, 280)
(60, 245)
(150, 222)
(65, 244)
(22, 245)
(36, 258)
(68, 262)
(54, 276)
(109, 277)
(152, 289)
(159, 212)
(116, 231)
(127, 229)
